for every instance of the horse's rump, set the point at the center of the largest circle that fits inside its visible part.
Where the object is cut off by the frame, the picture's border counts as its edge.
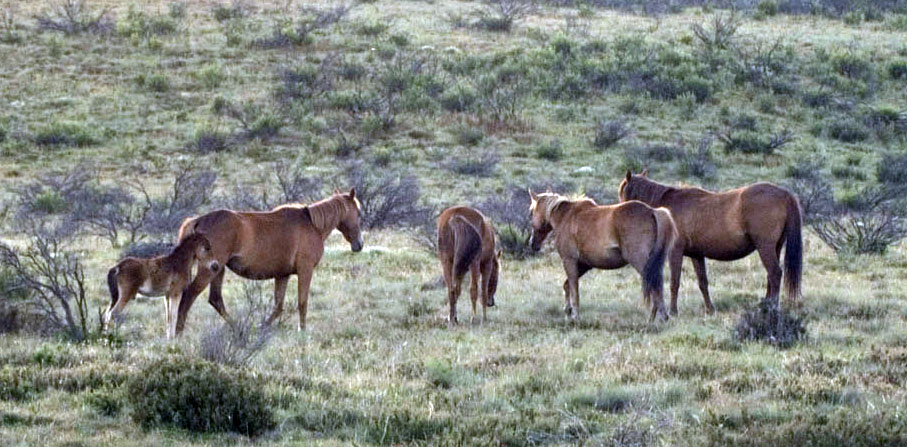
(467, 244)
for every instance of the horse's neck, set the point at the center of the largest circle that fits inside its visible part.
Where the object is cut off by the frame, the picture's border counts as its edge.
(180, 256)
(325, 216)
(560, 211)
(654, 194)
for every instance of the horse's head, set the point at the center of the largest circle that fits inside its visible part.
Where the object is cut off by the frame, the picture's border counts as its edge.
(351, 219)
(203, 252)
(629, 188)
(538, 217)
(493, 280)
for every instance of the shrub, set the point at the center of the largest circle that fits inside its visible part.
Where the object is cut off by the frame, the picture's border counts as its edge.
(106, 402)
(75, 17)
(387, 200)
(609, 132)
(551, 151)
(467, 135)
(65, 134)
(698, 163)
(199, 396)
(770, 324)
(458, 99)
(500, 15)
(852, 66)
(255, 120)
(750, 142)
(299, 31)
(157, 82)
(510, 214)
(720, 34)
(235, 10)
(847, 131)
(139, 24)
(897, 69)
(211, 76)
(767, 8)
(238, 342)
(147, 249)
(53, 276)
(10, 27)
(482, 164)
(892, 169)
(867, 222)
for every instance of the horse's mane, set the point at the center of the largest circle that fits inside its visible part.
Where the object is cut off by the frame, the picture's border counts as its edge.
(553, 200)
(186, 247)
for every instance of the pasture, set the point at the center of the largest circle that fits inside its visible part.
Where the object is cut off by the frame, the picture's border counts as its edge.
(119, 120)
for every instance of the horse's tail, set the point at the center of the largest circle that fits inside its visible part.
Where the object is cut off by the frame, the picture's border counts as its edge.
(652, 274)
(467, 244)
(187, 227)
(793, 250)
(112, 284)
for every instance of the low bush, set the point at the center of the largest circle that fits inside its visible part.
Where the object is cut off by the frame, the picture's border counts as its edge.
(897, 69)
(750, 142)
(199, 396)
(770, 324)
(65, 134)
(892, 170)
(510, 214)
(550, 151)
(699, 162)
(609, 132)
(238, 342)
(137, 23)
(75, 17)
(389, 199)
(847, 130)
(482, 164)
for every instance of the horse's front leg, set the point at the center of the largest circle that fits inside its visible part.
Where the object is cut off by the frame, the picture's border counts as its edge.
(474, 288)
(173, 304)
(703, 277)
(572, 288)
(675, 262)
(304, 281)
(202, 279)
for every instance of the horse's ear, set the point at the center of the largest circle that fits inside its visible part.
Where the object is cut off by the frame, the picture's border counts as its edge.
(499, 253)
(629, 175)
(532, 195)
(645, 172)
(336, 191)
(352, 193)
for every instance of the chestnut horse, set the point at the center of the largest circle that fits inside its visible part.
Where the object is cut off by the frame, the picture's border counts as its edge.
(466, 241)
(274, 244)
(605, 237)
(727, 226)
(162, 275)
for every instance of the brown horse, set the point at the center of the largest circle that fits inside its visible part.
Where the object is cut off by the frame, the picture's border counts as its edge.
(274, 244)
(605, 237)
(163, 275)
(466, 241)
(727, 226)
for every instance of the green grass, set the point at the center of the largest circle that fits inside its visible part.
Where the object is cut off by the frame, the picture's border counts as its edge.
(378, 365)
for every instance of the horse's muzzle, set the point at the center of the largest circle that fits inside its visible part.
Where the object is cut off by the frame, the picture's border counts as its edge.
(214, 266)
(356, 246)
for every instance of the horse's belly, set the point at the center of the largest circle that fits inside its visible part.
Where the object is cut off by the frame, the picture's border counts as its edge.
(609, 259)
(268, 270)
(148, 288)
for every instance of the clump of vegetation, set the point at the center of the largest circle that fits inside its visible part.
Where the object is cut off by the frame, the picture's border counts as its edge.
(510, 214)
(699, 162)
(65, 134)
(551, 150)
(75, 17)
(751, 142)
(609, 132)
(235, 10)
(501, 15)
(770, 324)
(388, 200)
(300, 30)
(156, 82)
(482, 164)
(238, 342)
(256, 121)
(139, 24)
(199, 396)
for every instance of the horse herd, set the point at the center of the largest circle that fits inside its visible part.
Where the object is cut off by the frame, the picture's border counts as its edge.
(652, 224)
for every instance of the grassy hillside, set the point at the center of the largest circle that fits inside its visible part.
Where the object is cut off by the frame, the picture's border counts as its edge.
(130, 117)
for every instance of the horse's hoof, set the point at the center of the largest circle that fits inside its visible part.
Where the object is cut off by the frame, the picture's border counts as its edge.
(710, 310)
(674, 312)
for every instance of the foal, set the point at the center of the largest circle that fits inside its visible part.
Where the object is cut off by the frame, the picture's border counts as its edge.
(466, 242)
(163, 275)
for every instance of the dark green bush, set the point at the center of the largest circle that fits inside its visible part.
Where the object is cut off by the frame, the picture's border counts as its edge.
(898, 69)
(199, 396)
(847, 131)
(770, 324)
(104, 401)
(139, 24)
(458, 99)
(892, 169)
(551, 151)
(65, 134)
(750, 142)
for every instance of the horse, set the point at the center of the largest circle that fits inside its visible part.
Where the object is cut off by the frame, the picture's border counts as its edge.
(274, 244)
(605, 237)
(727, 226)
(162, 275)
(466, 242)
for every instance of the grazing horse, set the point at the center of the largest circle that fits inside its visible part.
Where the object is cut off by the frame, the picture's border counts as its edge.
(274, 244)
(466, 242)
(727, 226)
(163, 275)
(605, 237)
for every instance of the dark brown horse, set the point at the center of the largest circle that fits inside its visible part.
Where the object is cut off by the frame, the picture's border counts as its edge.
(162, 275)
(605, 237)
(288, 240)
(727, 226)
(466, 242)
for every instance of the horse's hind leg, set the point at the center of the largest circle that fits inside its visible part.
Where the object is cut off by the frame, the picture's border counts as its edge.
(675, 262)
(216, 297)
(280, 291)
(581, 270)
(771, 261)
(571, 288)
(474, 287)
(702, 276)
(303, 282)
